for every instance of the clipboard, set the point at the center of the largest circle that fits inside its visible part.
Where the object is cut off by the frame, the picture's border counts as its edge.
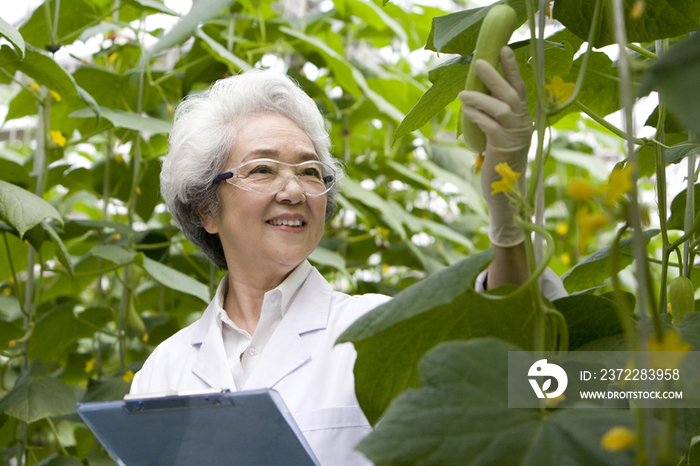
(223, 428)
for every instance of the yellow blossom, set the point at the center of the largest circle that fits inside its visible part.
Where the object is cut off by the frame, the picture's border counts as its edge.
(478, 164)
(26, 242)
(638, 9)
(113, 57)
(128, 376)
(508, 178)
(58, 138)
(565, 258)
(170, 110)
(144, 338)
(588, 225)
(559, 89)
(669, 353)
(34, 86)
(90, 365)
(620, 183)
(138, 191)
(56, 96)
(116, 237)
(668, 305)
(552, 402)
(119, 158)
(619, 438)
(7, 292)
(11, 343)
(581, 189)
(562, 228)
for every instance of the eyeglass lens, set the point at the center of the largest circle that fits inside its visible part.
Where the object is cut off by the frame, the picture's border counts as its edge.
(269, 176)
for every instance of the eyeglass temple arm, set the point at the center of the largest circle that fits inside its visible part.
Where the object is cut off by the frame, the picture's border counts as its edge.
(222, 177)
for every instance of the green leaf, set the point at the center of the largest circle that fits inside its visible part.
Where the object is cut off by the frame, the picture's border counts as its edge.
(59, 328)
(682, 150)
(677, 219)
(23, 210)
(457, 32)
(220, 53)
(588, 317)
(9, 332)
(112, 253)
(172, 278)
(202, 11)
(64, 461)
(128, 120)
(37, 395)
(391, 339)
(351, 189)
(595, 269)
(73, 17)
(61, 251)
(12, 35)
(323, 256)
(375, 17)
(675, 76)
(155, 5)
(460, 416)
(110, 389)
(661, 19)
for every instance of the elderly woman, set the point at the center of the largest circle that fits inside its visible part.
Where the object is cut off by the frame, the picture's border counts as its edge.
(249, 179)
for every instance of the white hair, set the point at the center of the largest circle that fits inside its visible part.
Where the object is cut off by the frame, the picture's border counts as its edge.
(203, 136)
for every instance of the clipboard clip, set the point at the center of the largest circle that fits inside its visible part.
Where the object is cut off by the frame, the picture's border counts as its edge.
(175, 400)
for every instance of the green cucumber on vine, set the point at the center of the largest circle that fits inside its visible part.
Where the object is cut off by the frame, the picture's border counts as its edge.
(681, 297)
(498, 25)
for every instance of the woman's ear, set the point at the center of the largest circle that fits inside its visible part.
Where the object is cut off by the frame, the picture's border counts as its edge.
(209, 223)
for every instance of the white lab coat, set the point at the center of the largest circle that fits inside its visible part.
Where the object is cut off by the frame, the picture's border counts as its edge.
(314, 377)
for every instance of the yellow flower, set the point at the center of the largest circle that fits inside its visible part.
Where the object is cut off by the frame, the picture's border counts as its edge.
(565, 258)
(588, 225)
(620, 183)
(116, 236)
(479, 162)
(619, 438)
(7, 292)
(90, 365)
(138, 191)
(670, 311)
(128, 376)
(637, 9)
(144, 338)
(119, 158)
(581, 189)
(552, 402)
(170, 109)
(56, 96)
(58, 138)
(559, 89)
(669, 353)
(113, 57)
(508, 178)
(562, 228)
(11, 343)
(34, 86)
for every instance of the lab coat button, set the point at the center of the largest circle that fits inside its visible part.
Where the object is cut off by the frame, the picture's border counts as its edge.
(253, 351)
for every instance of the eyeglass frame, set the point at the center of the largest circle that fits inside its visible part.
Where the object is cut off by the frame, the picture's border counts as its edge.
(233, 172)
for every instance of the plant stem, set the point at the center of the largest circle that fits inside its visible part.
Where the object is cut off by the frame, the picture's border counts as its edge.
(610, 127)
(642, 51)
(55, 434)
(18, 291)
(623, 312)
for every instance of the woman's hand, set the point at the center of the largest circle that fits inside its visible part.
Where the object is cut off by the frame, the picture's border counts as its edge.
(505, 119)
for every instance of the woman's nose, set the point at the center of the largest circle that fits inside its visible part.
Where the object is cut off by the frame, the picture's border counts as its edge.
(291, 191)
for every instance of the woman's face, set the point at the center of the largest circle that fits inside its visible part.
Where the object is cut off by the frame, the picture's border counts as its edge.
(249, 224)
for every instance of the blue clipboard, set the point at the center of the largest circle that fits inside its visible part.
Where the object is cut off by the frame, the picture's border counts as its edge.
(250, 428)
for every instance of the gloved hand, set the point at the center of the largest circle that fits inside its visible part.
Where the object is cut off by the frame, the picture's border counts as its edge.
(506, 121)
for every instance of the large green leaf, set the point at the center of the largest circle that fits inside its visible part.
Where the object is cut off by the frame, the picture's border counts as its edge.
(457, 32)
(127, 120)
(11, 34)
(589, 318)
(661, 19)
(202, 10)
(220, 53)
(677, 219)
(460, 416)
(323, 256)
(22, 209)
(60, 328)
(391, 339)
(374, 16)
(113, 253)
(37, 395)
(595, 269)
(675, 75)
(73, 17)
(173, 278)
(680, 151)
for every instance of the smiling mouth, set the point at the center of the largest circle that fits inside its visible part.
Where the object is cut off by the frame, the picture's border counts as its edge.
(289, 223)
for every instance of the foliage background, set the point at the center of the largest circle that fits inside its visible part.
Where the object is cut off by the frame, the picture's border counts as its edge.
(93, 275)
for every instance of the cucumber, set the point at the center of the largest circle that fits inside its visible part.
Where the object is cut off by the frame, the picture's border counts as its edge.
(681, 296)
(496, 29)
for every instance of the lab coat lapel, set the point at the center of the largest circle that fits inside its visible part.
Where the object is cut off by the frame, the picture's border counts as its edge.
(211, 364)
(286, 351)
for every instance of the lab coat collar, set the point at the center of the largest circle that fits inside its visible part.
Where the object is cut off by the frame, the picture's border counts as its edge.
(285, 351)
